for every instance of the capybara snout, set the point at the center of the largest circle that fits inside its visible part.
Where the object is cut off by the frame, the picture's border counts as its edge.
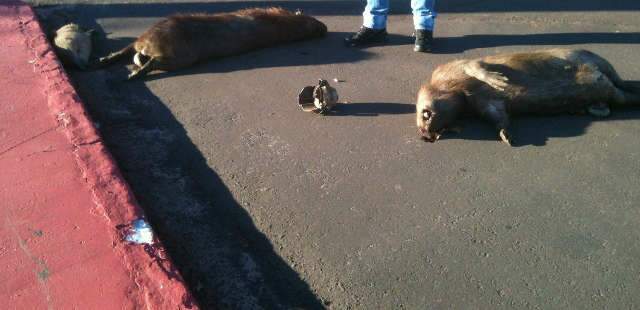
(316, 27)
(436, 111)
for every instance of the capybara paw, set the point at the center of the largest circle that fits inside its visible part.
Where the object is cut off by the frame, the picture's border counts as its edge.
(133, 75)
(497, 80)
(505, 137)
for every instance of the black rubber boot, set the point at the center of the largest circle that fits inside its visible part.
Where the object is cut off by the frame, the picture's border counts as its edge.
(424, 41)
(366, 36)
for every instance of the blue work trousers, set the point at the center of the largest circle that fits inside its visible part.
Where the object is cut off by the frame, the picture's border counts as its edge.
(375, 14)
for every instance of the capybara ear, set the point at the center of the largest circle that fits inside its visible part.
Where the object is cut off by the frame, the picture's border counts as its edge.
(299, 12)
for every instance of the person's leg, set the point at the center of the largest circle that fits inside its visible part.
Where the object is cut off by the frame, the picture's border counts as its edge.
(374, 24)
(375, 14)
(424, 16)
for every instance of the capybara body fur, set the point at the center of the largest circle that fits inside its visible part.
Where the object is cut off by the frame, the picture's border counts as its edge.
(539, 82)
(73, 45)
(182, 40)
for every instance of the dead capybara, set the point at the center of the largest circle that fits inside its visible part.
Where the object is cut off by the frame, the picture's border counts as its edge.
(182, 40)
(73, 45)
(539, 82)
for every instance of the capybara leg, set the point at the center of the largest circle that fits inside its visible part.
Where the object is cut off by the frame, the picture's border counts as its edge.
(626, 98)
(110, 58)
(142, 71)
(140, 59)
(606, 90)
(115, 56)
(495, 112)
(616, 95)
(600, 109)
(505, 137)
(478, 70)
(136, 59)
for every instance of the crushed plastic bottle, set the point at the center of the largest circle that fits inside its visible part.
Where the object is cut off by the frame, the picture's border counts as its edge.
(140, 232)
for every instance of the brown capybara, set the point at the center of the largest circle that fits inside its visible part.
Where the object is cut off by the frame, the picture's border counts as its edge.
(539, 82)
(182, 40)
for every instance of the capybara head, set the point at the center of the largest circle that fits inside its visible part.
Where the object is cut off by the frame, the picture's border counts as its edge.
(295, 25)
(311, 25)
(436, 111)
(73, 45)
(298, 20)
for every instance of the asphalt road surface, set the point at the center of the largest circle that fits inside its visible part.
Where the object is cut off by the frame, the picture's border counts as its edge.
(262, 205)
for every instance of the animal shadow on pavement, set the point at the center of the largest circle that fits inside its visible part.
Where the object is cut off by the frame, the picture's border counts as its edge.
(536, 130)
(224, 258)
(372, 109)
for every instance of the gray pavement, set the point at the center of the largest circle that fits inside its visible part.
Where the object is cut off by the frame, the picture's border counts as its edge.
(262, 205)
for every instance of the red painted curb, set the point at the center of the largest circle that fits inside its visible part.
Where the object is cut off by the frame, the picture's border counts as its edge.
(74, 169)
